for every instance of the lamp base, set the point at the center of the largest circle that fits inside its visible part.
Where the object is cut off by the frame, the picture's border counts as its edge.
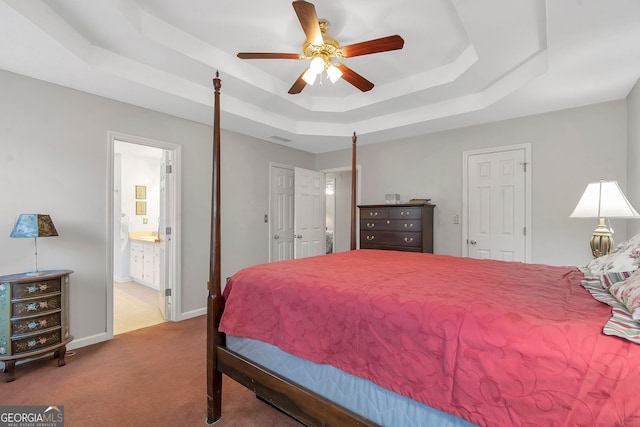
(601, 240)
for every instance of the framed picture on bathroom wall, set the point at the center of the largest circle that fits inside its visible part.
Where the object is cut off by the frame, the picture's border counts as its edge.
(141, 192)
(141, 208)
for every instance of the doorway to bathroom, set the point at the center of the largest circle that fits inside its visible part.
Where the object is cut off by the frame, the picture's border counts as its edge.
(145, 289)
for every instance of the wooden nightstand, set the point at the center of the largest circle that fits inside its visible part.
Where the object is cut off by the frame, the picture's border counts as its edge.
(34, 317)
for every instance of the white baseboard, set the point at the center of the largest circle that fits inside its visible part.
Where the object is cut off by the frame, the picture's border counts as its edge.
(76, 343)
(85, 341)
(193, 313)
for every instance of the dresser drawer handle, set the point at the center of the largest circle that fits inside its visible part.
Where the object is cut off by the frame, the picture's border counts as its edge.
(408, 239)
(405, 213)
(373, 213)
(371, 237)
(408, 225)
(371, 225)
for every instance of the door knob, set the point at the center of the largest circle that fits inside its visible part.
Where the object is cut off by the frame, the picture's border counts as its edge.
(276, 237)
(473, 242)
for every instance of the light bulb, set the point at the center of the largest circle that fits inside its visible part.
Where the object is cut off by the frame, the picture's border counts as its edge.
(317, 64)
(309, 77)
(334, 73)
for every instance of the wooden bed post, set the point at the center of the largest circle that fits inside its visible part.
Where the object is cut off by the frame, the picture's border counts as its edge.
(215, 304)
(354, 178)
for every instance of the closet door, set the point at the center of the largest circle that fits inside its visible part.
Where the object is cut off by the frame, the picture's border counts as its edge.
(281, 223)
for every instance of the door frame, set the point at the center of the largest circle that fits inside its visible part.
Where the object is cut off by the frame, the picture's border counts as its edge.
(358, 193)
(527, 197)
(170, 261)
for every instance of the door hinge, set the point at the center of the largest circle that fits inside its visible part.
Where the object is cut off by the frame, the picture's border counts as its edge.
(524, 165)
(167, 231)
(167, 292)
(169, 169)
(524, 231)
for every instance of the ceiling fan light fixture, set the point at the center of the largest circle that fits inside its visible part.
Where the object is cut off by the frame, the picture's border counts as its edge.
(309, 76)
(317, 65)
(334, 73)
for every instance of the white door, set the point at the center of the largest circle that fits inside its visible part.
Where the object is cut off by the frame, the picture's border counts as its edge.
(281, 224)
(496, 200)
(309, 208)
(164, 233)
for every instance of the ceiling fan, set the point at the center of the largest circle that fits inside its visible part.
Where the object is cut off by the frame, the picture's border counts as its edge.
(325, 53)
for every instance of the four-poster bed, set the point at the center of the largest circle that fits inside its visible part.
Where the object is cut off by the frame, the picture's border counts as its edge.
(489, 342)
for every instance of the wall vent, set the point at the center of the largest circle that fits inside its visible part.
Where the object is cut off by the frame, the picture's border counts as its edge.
(279, 138)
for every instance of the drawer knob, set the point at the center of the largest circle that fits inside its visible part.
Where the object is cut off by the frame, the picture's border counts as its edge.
(370, 225)
(373, 213)
(408, 239)
(405, 213)
(408, 225)
(371, 237)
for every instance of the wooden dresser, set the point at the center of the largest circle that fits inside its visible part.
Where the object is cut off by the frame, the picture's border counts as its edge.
(34, 317)
(407, 227)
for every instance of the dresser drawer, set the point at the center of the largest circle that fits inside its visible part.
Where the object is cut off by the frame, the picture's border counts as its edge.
(374, 213)
(388, 238)
(35, 342)
(33, 306)
(406, 213)
(391, 224)
(28, 325)
(34, 289)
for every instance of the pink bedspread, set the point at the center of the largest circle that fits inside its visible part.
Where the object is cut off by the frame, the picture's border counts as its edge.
(496, 343)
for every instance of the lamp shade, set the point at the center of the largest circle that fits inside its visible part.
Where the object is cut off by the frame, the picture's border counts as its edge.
(604, 199)
(34, 225)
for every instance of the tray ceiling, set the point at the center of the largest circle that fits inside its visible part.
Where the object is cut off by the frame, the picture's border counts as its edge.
(464, 62)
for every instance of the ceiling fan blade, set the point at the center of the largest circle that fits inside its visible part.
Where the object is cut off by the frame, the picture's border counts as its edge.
(267, 55)
(354, 78)
(309, 20)
(298, 85)
(383, 44)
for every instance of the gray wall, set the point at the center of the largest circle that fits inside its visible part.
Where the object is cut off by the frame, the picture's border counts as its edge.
(54, 159)
(633, 153)
(570, 148)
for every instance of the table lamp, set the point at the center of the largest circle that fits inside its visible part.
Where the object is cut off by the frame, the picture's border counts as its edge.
(34, 225)
(603, 199)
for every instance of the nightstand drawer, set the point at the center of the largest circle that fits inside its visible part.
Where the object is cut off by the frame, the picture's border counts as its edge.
(35, 342)
(35, 289)
(28, 325)
(29, 307)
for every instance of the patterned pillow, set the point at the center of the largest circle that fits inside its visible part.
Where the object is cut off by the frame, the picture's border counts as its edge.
(628, 245)
(627, 259)
(627, 292)
(621, 324)
(609, 279)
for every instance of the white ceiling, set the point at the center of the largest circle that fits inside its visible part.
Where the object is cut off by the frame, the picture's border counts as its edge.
(464, 62)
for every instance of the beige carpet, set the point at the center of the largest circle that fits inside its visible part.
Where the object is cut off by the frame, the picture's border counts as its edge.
(135, 306)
